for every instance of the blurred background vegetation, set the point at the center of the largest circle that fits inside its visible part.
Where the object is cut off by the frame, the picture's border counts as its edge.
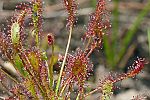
(128, 38)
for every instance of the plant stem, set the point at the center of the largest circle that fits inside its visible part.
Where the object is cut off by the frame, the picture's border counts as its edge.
(95, 90)
(65, 85)
(15, 80)
(51, 67)
(37, 40)
(88, 43)
(77, 98)
(64, 60)
(91, 50)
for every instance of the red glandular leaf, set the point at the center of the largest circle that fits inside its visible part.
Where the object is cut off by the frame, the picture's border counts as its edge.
(6, 46)
(78, 68)
(106, 85)
(36, 14)
(137, 67)
(71, 8)
(20, 92)
(36, 66)
(98, 25)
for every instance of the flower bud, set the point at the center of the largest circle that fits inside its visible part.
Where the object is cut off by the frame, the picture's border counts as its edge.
(50, 38)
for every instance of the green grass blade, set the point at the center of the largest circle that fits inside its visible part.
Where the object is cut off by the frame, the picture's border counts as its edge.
(133, 30)
(110, 49)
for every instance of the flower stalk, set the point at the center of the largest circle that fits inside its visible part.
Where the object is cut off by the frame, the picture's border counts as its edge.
(64, 60)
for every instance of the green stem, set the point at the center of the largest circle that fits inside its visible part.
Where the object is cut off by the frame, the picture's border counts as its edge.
(62, 67)
(95, 90)
(51, 67)
(115, 22)
(65, 85)
(37, 40)
(110, 49)
(78, 96)
(133, 29)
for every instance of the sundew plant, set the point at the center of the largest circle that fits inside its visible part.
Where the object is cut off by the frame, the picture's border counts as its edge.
(35, 79)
